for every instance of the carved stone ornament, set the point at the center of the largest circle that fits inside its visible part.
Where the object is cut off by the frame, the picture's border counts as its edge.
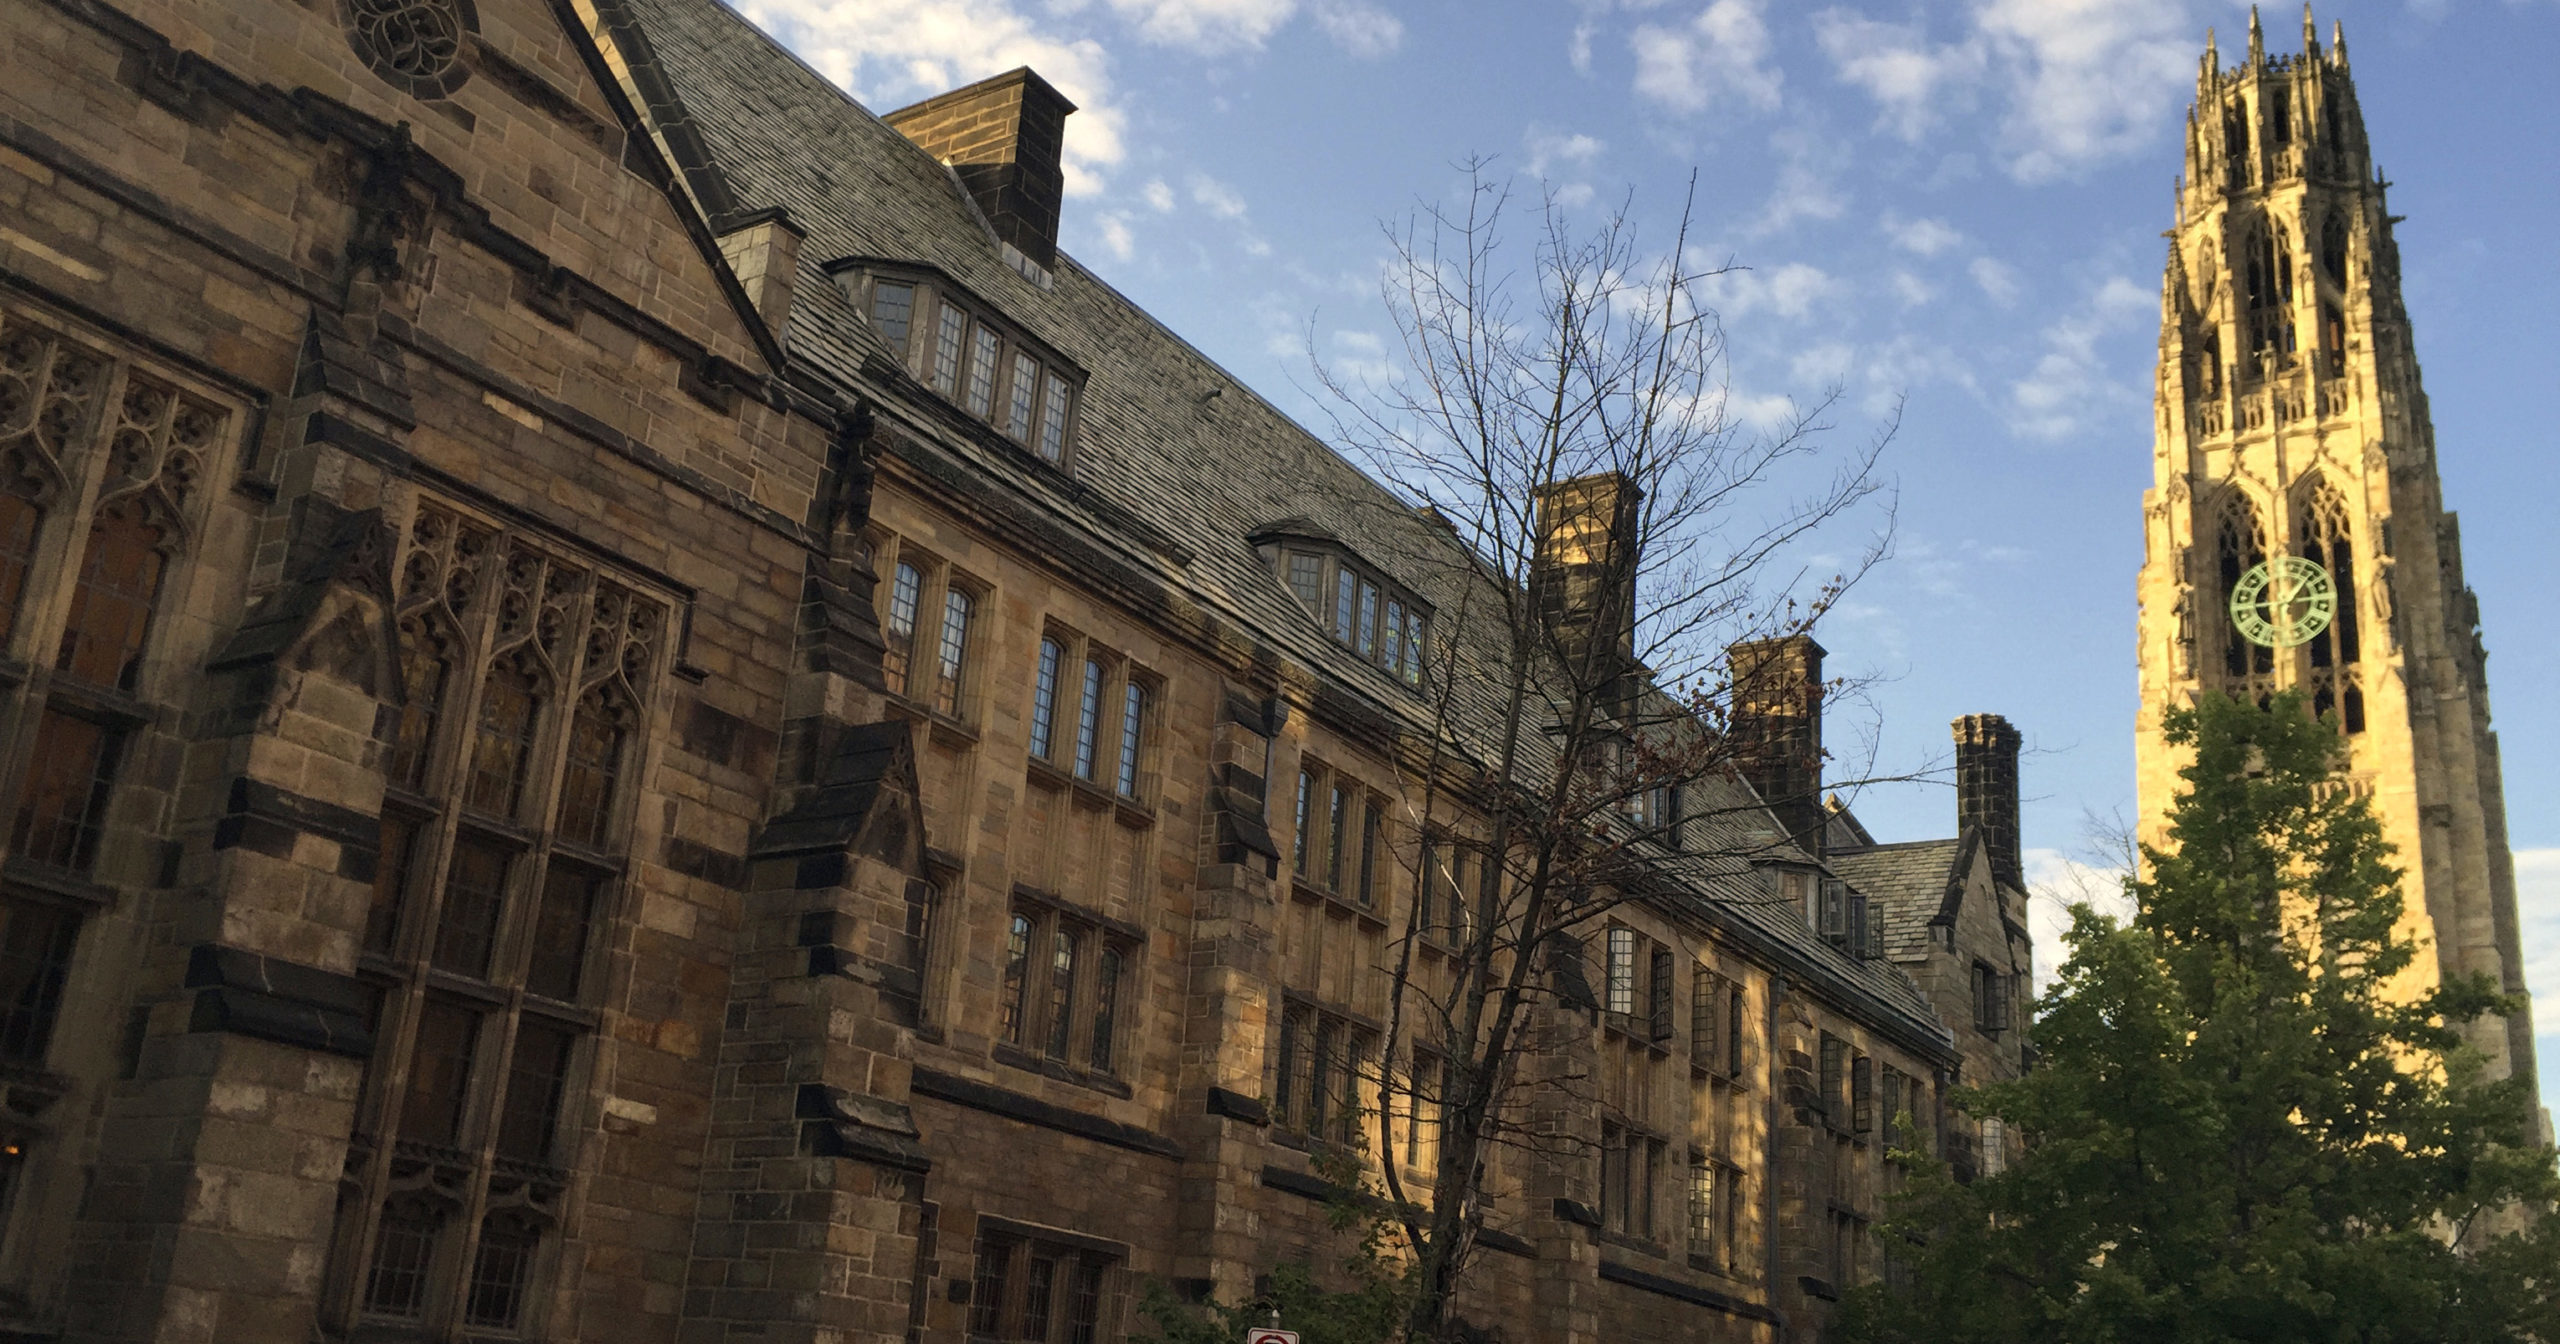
(415, 45)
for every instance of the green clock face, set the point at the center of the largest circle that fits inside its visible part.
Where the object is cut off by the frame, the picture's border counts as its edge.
(2283, 602)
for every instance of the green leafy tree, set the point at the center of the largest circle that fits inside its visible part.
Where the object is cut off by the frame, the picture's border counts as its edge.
(2244, 1124)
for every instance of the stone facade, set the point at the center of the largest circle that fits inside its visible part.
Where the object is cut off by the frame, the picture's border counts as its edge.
(569, 779)
(2292, 422)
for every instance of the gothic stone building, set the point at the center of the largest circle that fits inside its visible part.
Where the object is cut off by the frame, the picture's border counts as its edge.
(2292, 424)
(633, 713)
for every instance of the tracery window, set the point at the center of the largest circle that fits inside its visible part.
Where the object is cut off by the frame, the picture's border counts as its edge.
(2239, 547)
(101, 468)
(505, 821)
(2326, 540)
(2268, 291)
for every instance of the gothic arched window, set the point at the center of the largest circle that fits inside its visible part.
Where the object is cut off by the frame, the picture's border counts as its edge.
(111, 607)
(425, 667)
(2235, 143)
(21, 509)
(2238, 547)
(2333, 247)
(2324, 537)
(2269, 289)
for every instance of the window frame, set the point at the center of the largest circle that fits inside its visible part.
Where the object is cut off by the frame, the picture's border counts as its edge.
(1130, 782)
(1052, 432)
(1090, 1037)
(1351, 603)
(460, 571)
(920, 684)
(1325, 1070)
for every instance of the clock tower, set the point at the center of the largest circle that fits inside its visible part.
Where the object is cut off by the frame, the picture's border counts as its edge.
(2294, 470)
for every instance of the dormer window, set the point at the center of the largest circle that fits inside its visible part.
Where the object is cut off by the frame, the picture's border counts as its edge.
(1362, 610)
(950, 343)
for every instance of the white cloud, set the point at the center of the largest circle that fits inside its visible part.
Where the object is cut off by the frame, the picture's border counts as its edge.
(1722, 53)
(2088, 79)
(2069, 382)
(2077, 81)
(1363, 30)
(1925, 237)
(2055, 882)
(1912, 82)
(1211, 26)
(1557, 149)
(1216, 197)
(1912, 290)
(1116, 235)
(1789, 291)
(1157, 195)
(888, 53)
(1998, 279)
(1808, 182)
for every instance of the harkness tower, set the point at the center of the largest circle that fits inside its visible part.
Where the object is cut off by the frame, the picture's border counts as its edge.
(2295, 534)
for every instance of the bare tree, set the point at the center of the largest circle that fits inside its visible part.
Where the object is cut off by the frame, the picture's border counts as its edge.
(1561, 412)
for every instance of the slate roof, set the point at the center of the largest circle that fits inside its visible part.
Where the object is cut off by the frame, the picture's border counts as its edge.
(1911, 881)
(1170, 479)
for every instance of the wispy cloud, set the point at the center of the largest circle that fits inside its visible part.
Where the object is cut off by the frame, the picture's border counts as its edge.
(1721, 55)
(1788, 291)
(1208, 26)
(1216, 197)
(1363, 30)
(888, 53)
(1924, 237)
(1558, 151)
(2069, 386)
(1913, 82)
(2055, 882)
(1999, 281)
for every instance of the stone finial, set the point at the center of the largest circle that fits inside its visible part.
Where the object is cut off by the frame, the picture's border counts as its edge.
(2310, 33)
(2257, 41)
(2338, 42)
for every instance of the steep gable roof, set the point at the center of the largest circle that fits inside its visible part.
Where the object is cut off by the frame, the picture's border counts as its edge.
(1179, 464)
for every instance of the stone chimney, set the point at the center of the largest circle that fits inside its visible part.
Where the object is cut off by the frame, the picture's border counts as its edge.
(1003, 137)
(1987, 790)
(1583, 579)
(1777, 730)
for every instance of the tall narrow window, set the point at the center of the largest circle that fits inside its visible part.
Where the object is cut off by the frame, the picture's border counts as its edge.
(1053, 420)
(2238, 548)
(1337, 836)
(559, 954)
(425, 671)
(1023, 399)
(1367, 642)
(951, 662)
(1346, 604)
(439, 1073)
(404, 1247)
(111, 608)
(2326, 540)
(2333, 248)
(1133, 727)
(1302, 842)
(893, 308)
(596, 733)
(1391, 653)
(1370, 824)
(1622, 969)
(534, 1078)
(20, 511)
(390, 883)
(898, 633)
(1413, 648)
(1017, 978)
(62, 803)
(510, 710)
(35, 954)
(1702, 1205)
(1062, 992)
(982, 372)
(1044, 700)
(1089, 720)
(1106, 1009)
(950, 332)
(475, 891)
(500, 1269)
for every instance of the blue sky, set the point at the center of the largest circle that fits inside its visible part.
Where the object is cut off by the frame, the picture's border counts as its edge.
(1957, 203)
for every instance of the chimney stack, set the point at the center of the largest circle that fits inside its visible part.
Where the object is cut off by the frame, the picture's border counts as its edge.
(1987, 790)
(1777, 730)
(1583, 580)
(1003, 136)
